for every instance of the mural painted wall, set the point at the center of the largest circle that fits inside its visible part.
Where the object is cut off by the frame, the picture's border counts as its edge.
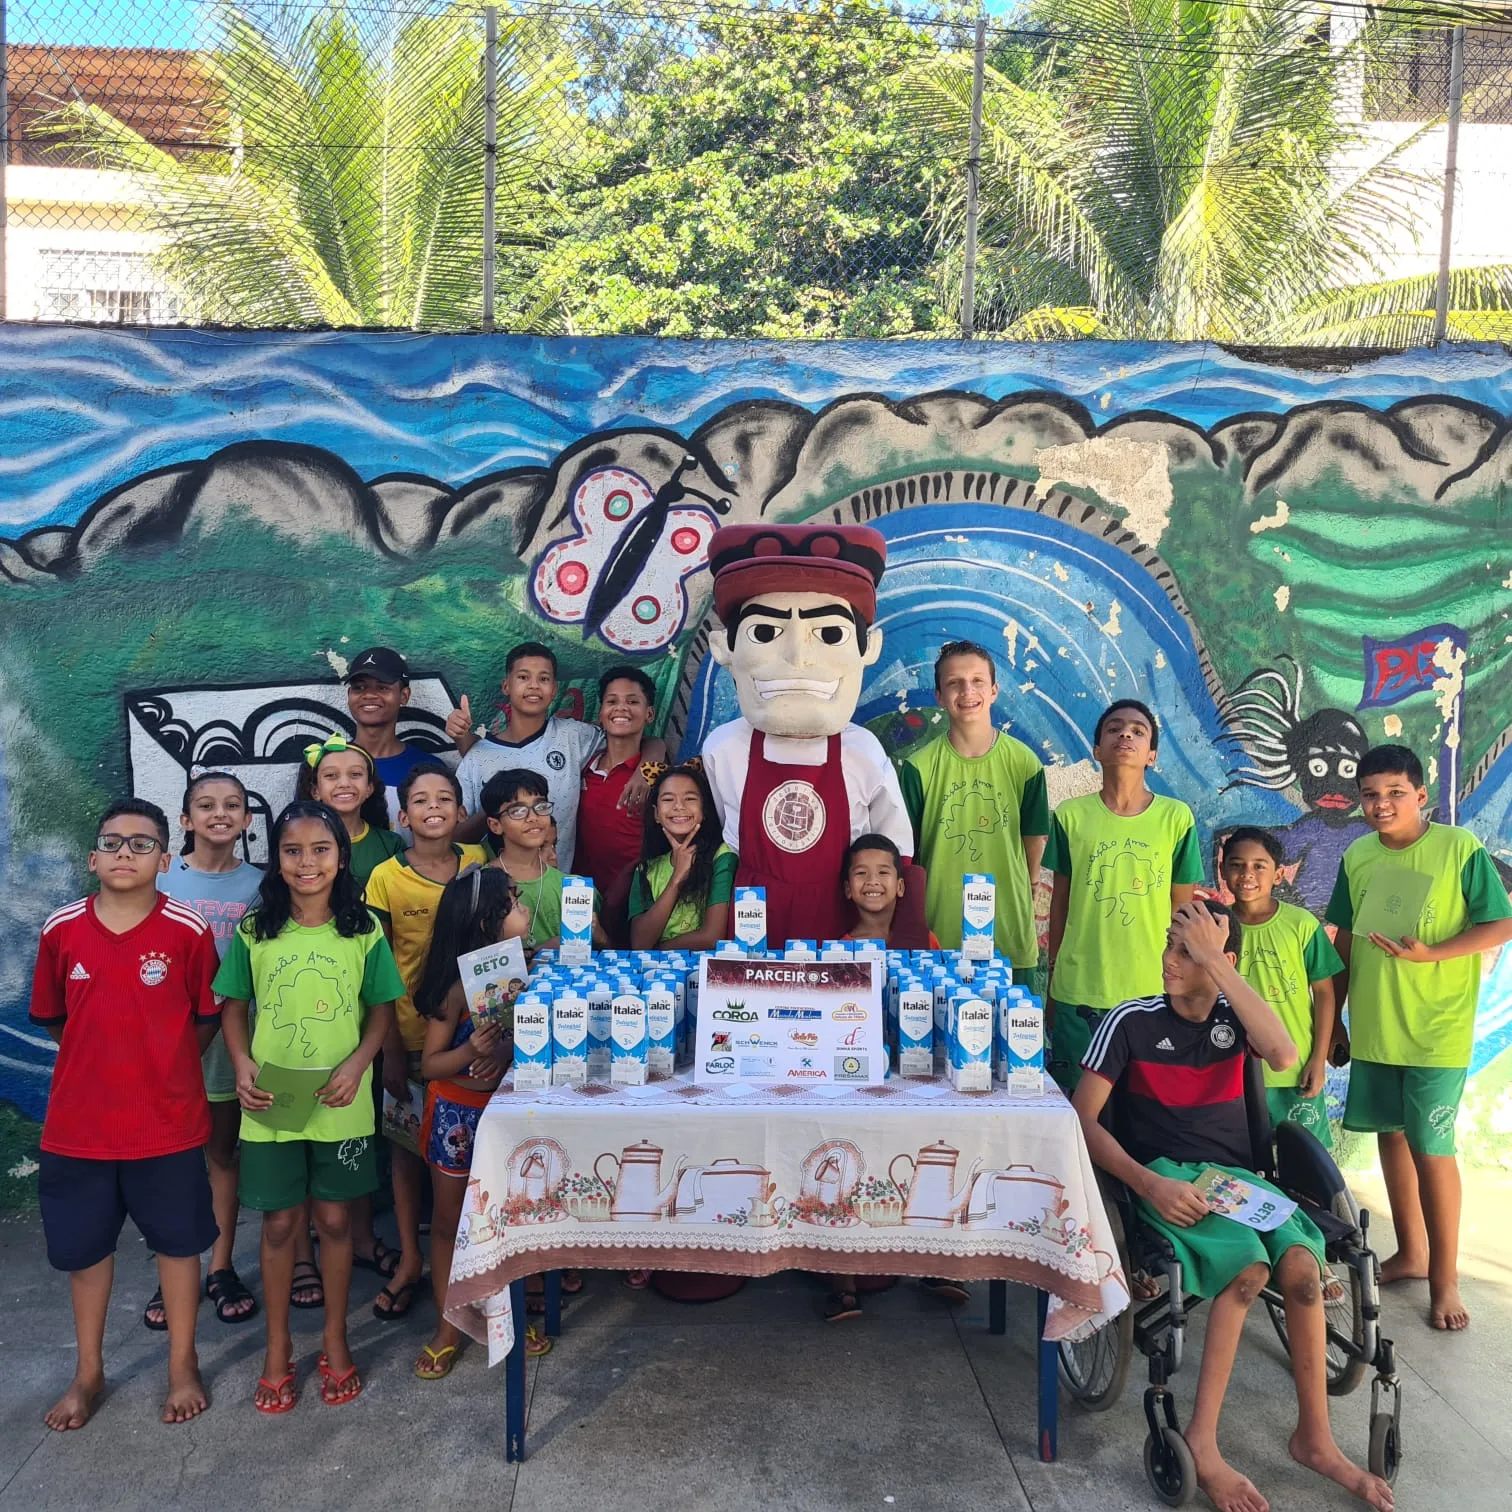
(196, 529)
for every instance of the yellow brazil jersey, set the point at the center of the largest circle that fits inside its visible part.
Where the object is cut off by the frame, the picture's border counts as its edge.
(406, 903)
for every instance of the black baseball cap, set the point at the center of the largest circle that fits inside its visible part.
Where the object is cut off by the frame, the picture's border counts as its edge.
(381, 663)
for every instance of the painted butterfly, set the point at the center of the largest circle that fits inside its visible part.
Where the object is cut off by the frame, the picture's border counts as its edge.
(623, 575)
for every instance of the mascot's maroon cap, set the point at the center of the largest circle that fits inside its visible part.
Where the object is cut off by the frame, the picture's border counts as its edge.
(846, 560)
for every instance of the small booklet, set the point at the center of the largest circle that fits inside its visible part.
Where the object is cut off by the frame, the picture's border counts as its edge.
(1393, 902)
(492, 979)
(402, 1116)
(1256, 1206)
(293, 1092)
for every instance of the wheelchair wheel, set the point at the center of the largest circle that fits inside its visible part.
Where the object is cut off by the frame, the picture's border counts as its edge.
(1385, 1457)
(1169, 1468)
(1344, 1315)
(1095, 1370)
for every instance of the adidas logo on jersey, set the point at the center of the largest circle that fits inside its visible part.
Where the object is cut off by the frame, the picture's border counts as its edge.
(1165, 1044)
(78, 974)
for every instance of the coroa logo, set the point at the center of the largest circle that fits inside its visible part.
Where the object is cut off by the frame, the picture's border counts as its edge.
(735, 1015)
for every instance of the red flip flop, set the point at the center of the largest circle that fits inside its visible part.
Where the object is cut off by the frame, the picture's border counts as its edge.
(331, 1383)
(278, 1388)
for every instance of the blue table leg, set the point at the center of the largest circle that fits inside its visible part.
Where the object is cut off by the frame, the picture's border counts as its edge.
(553, 1304)
(514, 1379)
(1049, 1382)
(997, 1307)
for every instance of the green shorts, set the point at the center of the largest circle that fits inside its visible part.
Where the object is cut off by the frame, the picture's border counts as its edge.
(279, 1175)
(1069, 1042)
(1215, 1249)
(1287, 1105)
(1420, 1101)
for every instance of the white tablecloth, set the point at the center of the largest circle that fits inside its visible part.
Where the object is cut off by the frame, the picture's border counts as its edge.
(906, 1178)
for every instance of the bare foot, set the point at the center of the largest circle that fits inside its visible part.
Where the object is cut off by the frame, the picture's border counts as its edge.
(1446, 1309)
(186, 1397)
(1223, 1485)
(75, 1407)
(1330, 1461)
(1403, 1268)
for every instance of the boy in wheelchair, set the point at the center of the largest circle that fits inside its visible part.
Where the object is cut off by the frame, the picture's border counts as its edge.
(1174, 1067)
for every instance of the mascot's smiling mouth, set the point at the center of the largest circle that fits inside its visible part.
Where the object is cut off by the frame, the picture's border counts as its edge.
(777, 686)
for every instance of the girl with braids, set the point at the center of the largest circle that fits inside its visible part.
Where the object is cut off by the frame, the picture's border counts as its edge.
(680, 892)
(462, 1064)
(341, 774)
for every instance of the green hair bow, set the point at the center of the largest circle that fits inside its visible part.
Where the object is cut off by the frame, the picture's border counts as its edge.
(333, 743)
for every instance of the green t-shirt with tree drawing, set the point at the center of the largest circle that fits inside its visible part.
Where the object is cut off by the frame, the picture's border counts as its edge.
(1121, 872)
(1281, 959)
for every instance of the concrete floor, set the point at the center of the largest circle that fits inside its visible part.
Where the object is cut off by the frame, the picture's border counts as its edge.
(748, 1403)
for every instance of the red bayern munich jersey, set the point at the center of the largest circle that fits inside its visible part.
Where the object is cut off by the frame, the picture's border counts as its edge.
(128, 1083)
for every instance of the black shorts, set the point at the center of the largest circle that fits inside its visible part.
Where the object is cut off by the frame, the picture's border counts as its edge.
(85, 1203)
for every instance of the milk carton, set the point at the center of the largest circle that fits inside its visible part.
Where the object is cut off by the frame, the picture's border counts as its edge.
(600, 996)
(970, 1043)
(916, 1051)
(577, 920)
(942, 984)
(730, 950)
(751, 919)
(978, 912)
(569, 1038)
(1026, 1048)
(532, 1042)
(836, 950)
(661, 1028)
(801, 950)
(629, 1046)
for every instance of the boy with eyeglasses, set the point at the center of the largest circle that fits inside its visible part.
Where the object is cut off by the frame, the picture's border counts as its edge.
(123, 985)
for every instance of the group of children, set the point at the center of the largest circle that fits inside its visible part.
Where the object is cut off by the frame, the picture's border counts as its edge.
(342, 954)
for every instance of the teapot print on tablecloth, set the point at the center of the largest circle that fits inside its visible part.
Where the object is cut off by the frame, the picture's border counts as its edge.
(931, 1198)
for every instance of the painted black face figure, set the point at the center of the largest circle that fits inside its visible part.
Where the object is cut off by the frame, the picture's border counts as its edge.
(1324, 751)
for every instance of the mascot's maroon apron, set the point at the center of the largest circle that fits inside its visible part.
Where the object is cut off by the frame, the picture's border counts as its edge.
(794, 832)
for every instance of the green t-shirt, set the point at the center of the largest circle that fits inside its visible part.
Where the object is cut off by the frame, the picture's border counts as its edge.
(375, 845)
(1280, 959)
(1416, 1013)
(1121, 872)
(970, 814)
(312, 988)
(543, 899)
(649, 881)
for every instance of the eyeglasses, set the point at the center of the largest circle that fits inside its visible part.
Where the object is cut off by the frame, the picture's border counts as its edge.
(138, 845)
(519, 811)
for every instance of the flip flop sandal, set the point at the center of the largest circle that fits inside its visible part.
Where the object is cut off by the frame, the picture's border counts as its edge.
(945, 1289)
(839, 1306)
(572, 1283)
(401, 1301)
(333, 1382)
(285, 1398)
(442, 1359)
(536, 1342)
(298, 1285)
(226, 1289)
(382, 1262)
(638, 1280)
(156, 1325)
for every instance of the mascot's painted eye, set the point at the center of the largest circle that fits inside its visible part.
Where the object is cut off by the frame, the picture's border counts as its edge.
(763, 632)
(1318, 767)
(834, 635)
(1348, 767)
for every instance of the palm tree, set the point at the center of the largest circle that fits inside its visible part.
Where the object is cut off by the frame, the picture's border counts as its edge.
(344, 186)
(1185, 170)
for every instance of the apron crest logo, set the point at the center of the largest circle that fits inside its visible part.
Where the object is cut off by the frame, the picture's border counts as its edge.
(793, 816)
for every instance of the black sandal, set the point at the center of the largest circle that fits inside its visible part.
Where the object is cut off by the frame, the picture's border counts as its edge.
(840, 1306)
(382, 1262)
(157, 1302)
(317, 1285)
(401, 1301)
(227, 1290)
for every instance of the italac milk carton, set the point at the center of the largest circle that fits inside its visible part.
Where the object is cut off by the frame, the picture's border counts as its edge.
(942, 984)
(978, 912)
(532, 1042)
(600, 996)
(629, 1047)
(1026, 1048)
(801, 950)
(661, 1027)
(835, 950)
(750, 919)
(970, 1043)
(577, 920)
(569, 1038)
(915, 1029)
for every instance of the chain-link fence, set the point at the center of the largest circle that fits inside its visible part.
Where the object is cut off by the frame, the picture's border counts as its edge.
(1254, 171)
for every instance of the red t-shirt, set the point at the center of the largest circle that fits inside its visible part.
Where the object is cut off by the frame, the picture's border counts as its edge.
(608, 837)
(128, 1083)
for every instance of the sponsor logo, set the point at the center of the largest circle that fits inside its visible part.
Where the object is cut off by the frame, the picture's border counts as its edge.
(805, 1037)
(807, 1061)
(849, 1013)
(78, 974)
(793, 816)
(793, 1013)
(850, 1068)
(1165, 1044)
(755, 1042)
(807, 1074)
(852, 1039)
(755, 1065)
(721, 1041)
(1222, 1036)
(1441, 1120)
(154, 969)
(735, 1015)
(415, 913)
(721, 1065)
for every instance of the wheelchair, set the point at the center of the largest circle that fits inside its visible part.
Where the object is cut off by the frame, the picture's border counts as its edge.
(1095, 1370)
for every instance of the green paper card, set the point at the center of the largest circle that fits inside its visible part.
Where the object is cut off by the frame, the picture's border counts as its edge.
(1393, 902)
(293, 1096)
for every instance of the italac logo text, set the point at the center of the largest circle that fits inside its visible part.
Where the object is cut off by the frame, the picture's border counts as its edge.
(979, 895)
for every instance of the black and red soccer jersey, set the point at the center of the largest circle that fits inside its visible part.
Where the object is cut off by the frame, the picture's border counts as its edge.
(128, 1083)
(1178, 1086)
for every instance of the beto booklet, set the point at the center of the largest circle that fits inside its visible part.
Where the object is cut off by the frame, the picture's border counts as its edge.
(1256, 1206)
(293, 1095)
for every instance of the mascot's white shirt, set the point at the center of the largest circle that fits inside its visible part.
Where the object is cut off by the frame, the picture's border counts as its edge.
(871, 784)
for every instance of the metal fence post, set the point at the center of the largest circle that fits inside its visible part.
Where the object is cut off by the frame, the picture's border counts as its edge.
(4, 152)
(490, 155)
(973, 175)
(1451, 168)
